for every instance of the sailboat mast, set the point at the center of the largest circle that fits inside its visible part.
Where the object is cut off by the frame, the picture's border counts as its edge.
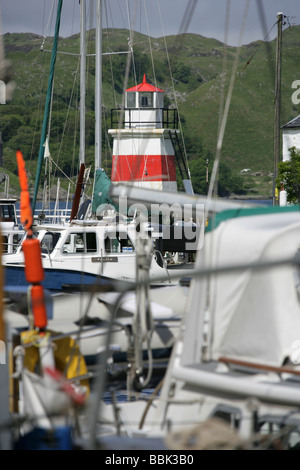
(277, 104)
(47, 106)
(82, 79)
(98, 87)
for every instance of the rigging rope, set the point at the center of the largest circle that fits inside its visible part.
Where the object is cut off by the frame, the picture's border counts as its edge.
(47, 104)
(150, 46)
(131, 28)
(62, 172)
(174, 93)
(224, 64)
(67, 115)
(110, 59)
(226, 109)
(188, 14)
(125, 86)
(213, 181)
(50, 20)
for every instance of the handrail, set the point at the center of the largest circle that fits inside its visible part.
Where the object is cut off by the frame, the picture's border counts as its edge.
(255, 365)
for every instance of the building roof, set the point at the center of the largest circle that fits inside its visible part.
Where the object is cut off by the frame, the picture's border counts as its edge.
(144, 86)
(294, 123)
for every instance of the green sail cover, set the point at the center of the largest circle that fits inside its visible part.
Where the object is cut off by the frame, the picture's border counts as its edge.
(101, 188)
(245, 212)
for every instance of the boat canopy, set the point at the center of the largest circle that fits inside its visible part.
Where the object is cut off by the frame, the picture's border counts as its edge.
(254, 314)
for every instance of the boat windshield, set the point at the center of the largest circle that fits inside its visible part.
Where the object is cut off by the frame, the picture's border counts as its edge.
(49, 241)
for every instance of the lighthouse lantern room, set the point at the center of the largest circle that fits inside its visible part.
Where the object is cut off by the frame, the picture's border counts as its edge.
(143, 150)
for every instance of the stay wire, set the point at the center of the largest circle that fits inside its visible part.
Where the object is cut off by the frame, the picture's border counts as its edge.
(173, 89)
(125, 83)
(187, 16)
(150, 45)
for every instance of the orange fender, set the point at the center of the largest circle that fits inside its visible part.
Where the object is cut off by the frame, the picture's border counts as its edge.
(34, 270)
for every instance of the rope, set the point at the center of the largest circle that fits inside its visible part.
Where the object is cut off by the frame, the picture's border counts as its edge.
(66, 176)
(110, 61)
(210, 301)
(67, 115)
(125, 86)
(145, 166)
(213, 111)
(131, 27)
(174, 93)
(166, 159)
(226, 110)
(50, 20)
(150, 45)
(224, 64)
(212, 434)
(187, 16)
(154, 394)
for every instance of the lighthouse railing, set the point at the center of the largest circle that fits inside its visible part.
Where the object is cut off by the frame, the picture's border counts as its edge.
(168, 118)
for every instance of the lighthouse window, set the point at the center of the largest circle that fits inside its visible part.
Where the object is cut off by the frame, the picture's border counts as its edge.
(146, 100)
(131, 100)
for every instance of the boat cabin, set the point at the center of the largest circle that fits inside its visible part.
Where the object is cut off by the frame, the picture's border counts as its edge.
(10, 232)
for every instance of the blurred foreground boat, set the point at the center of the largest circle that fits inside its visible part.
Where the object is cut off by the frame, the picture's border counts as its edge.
(234, 371)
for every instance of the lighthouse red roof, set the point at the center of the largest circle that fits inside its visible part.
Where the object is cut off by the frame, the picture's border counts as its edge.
(144, 86)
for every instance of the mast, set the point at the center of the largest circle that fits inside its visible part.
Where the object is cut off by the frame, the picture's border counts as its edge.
(98, 87)
(82, 79)
(277, 104)
(47, 106)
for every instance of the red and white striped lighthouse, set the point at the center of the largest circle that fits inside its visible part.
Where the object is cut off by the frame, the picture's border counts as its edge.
(143, 152)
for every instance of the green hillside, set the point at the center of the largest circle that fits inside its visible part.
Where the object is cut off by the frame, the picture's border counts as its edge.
(189, 64)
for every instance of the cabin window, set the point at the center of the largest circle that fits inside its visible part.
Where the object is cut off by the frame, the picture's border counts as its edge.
(17, 238)
(229, 414)
(5, 244)
(49, 242)
(118, 242)
(146, 100)
(80, 243)
(7, 213)
(131, 99)
(11, 242)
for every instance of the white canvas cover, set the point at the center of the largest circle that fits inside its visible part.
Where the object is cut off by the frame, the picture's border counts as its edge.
(255, 315)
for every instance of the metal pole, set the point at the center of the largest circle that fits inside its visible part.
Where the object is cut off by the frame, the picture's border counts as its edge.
(277, 105)
(82, 80)
(98, 87)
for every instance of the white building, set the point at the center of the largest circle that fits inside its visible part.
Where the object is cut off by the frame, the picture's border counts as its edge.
(290, 137)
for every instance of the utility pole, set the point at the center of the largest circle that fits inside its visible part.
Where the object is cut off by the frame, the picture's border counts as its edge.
(277, 139)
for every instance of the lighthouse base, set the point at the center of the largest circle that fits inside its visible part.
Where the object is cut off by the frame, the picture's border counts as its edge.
(156, 185)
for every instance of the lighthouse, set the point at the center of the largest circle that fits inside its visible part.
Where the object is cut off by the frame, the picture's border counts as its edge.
(143, 150)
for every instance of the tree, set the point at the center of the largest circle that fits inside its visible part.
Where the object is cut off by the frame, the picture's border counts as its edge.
(182, 73)
(227, 182)
(289, 176)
